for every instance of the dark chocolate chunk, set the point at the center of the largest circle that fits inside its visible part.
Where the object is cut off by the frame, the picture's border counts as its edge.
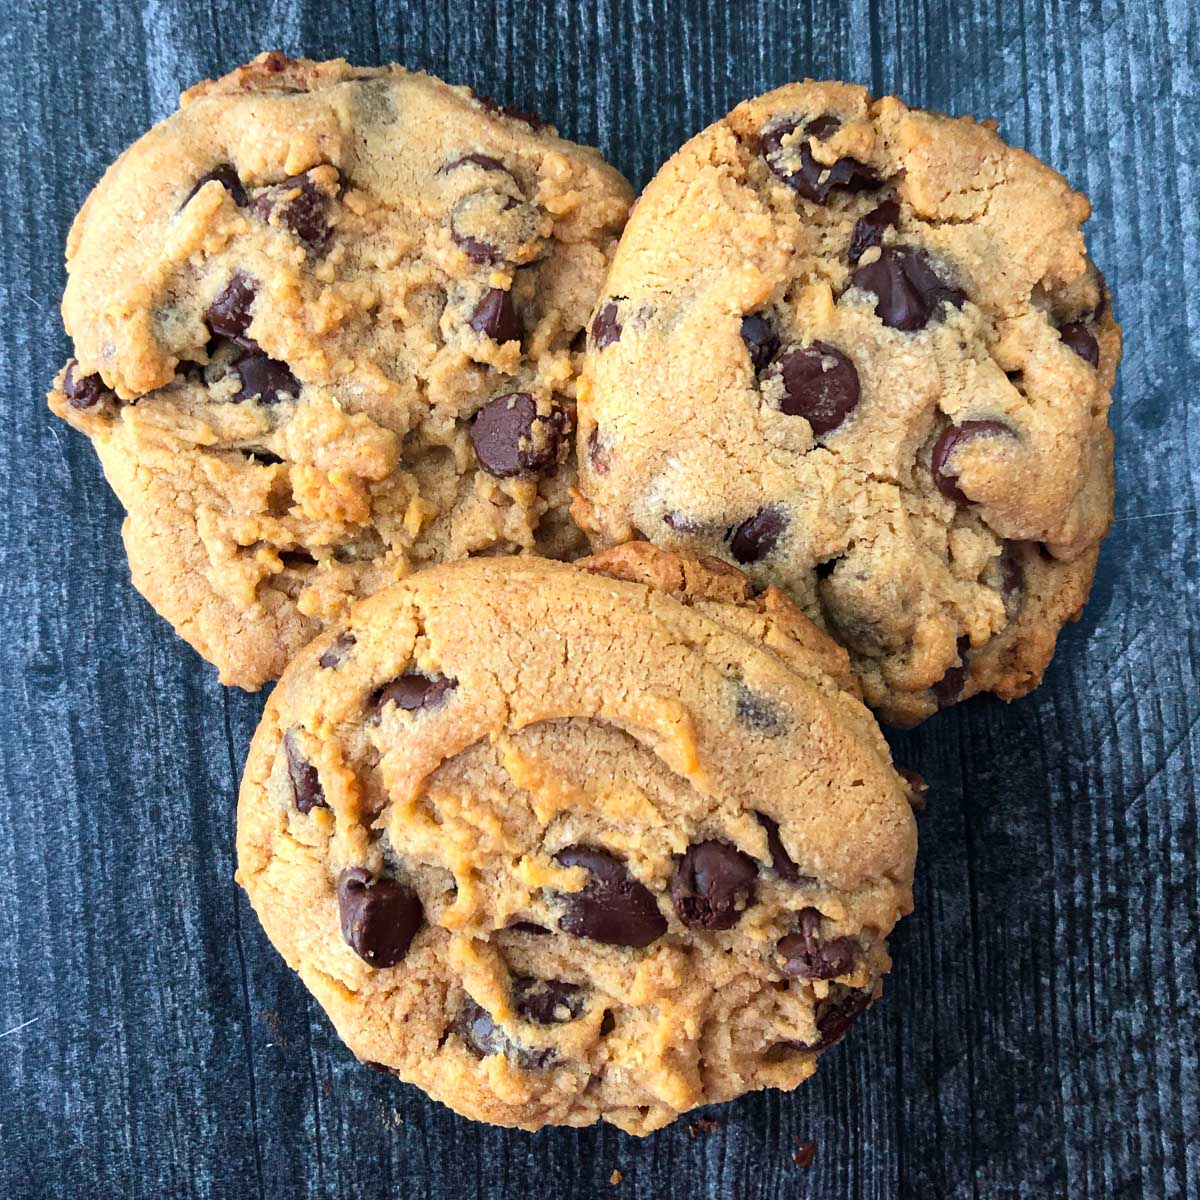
(495, 317)
(819, 383)
(307, 792)
(511, 437)
(379, 917)
(712, 884)
(415, 692)
(910, 292)
(807, 956)
(949, 441)
(613, 907)
(868, 229)
(756, 537)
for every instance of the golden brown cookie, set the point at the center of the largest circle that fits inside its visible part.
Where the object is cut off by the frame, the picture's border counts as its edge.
(326, 328)
(561, 843)
(860, 350)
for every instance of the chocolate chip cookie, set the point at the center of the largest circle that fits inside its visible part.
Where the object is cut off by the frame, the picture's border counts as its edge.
(565, 843)
(860, 350)
(327, 324)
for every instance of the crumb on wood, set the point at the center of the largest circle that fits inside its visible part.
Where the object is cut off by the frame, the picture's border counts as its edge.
(703, 1127)
(615, 1178)
(804, 1153)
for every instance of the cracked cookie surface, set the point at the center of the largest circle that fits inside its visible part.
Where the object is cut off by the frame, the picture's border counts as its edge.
(564, 843)
(860, 350)
(326, 325)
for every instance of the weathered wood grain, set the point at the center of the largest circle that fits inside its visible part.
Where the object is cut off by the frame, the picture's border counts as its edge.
(1040, 1032)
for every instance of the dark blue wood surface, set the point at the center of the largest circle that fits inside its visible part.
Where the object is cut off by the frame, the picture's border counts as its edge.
(1039, 1035)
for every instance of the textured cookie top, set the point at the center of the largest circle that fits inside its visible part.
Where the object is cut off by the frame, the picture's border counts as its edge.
(566, 843)
(860, 350)
(326, 325)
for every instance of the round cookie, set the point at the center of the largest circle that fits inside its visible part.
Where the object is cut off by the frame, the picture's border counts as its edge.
(563, 843)
(327, 324)
(860, 350)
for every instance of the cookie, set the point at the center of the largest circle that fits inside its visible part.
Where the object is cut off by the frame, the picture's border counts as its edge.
(859, 350)
(565, 843)
(327, 325)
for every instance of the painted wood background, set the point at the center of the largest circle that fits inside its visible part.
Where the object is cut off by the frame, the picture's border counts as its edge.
(1039, 1035)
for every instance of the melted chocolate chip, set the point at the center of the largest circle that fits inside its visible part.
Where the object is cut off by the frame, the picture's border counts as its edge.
(495, 317)
(756, 537)
(485, 1038)
(918, 789)
(868, 229)
(781, 863)
(762, 342)
(335, 655)
(511, 437)
(613, 907)
(415, 692)
(265, 379)
(823, 127)
(1078, 337)
(511, 112)
(910, 292)
(758, 714)
(229, 314)
(606, 329)
(548, 1001)
(712, 884)
(948, 689)
(379, 917)
(484, 161)
(807, 956)
(814, 180)
(307, 792)
(300, 206)
(949, 441)
(819, 383)
(835, 1014)
(83, 391)
(227, 177)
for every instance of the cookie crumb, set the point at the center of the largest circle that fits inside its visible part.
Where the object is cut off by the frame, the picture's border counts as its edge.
(615, 1178)
(703, 1127)
(804, 1153)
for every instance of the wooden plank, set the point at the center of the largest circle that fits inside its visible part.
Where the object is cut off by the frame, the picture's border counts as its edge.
(1039, 1035)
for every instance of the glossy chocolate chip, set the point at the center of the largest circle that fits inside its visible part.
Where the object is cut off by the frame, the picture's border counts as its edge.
(758, 714)
(814, 180)
(613, 907)
(712, 885)
(484, 161)
(307, 792)
(415, 692)
(229, 314)
(379, 917)
(495, 317)
(227, 177)
(819, 383)
(511, 437)
(606, 329)
(949, 442)
(300, 206)
(948, 689)
(918, 789)
(83, 391)
(1077, 336)
(781, 863)
(265, 379)
(477, 1029)
(335, 655)
(762, 342)
(835, 1014)
(868, 230)
(548, 1001)
(910, 292)
(599, 452)
(823, 127)
(807, 956)
(756, 537)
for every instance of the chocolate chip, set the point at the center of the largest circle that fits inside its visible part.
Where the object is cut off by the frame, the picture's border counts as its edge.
(261, 456)
(814, 180)
(1080, 338)
(868, 229)
(496, 317)
(415, 692)
(807, 956)
(227, 177)
(379, 917)
(762, 342)
(527, 927)
(477, 1029)
(229, 314)
(948, 689)
(681, 523)
(490, 226)
(712, 885)
(606, 329)
(823, 127)
(335, 655)
(756, 537)
(266, 379)
(598, 452)
(307, 792)
(511, 438)
(548, 1001)
(910, 292)
(918, 789)
(780, 861)
(758, 714)
(509, 111)
(835, 1014)
(819, 383)
(300, 206)
(613, 907)
(485, 161)
(83, 391)
(949, 441)
(1012, 579)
